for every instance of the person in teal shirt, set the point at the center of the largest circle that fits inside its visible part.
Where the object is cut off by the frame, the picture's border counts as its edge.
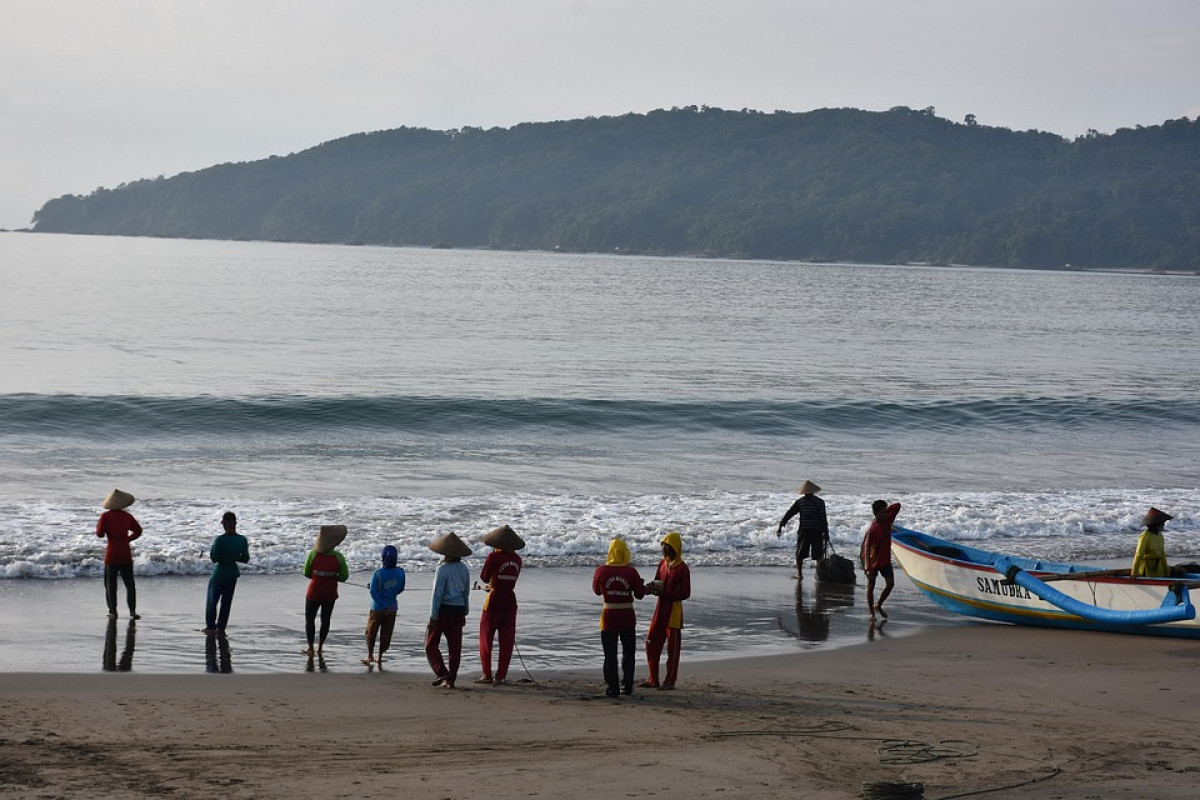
(228, 550)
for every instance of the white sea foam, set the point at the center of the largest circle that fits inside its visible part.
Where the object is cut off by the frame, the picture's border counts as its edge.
(56, 540)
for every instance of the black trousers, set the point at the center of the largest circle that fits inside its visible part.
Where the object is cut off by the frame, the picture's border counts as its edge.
(125, 571)
(628, 656)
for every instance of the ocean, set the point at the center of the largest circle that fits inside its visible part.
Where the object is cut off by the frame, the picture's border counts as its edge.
(407, 392)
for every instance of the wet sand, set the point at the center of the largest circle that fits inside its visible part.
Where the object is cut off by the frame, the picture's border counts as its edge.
(1050, 714)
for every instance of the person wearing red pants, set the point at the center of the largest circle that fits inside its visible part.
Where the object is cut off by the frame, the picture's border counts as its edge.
(672, 584)
(448, 608)
(499, 617)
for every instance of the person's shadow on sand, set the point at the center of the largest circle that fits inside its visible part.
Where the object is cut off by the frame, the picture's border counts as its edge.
(110, 663)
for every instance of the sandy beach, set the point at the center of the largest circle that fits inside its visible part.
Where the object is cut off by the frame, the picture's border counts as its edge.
(979, 707)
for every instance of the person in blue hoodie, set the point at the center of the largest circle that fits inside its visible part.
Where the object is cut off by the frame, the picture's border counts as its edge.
(448, 608)
(386, 583)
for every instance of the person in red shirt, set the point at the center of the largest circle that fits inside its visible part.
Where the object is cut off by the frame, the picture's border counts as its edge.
(499, 618)
(326, 568)
(618, 584)
(120, 528)
(673, 584)
(877, 554)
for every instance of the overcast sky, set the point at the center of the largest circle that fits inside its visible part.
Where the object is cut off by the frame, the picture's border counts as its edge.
(99, 92)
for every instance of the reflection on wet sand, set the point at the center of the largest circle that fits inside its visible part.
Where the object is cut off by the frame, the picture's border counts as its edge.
(813, 613)
(217, 657)
(110, 662)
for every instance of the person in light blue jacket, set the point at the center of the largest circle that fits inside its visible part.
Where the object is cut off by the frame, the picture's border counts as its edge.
(448, 608)
(386, 583)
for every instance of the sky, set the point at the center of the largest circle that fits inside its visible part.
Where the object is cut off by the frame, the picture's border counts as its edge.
(101, 92)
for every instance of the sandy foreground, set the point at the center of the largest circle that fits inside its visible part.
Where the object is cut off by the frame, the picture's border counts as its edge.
(980, 707)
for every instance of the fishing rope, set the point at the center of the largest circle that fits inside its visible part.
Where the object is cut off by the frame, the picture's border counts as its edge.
(904, 752)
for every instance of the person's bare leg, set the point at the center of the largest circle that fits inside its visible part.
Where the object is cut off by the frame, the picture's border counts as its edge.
(871, 595)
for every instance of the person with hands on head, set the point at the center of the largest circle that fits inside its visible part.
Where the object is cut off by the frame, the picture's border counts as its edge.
(876, 553)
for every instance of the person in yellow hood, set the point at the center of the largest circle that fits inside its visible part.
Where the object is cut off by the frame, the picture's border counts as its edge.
(672, 584)
(1150, 558)
(618, 584)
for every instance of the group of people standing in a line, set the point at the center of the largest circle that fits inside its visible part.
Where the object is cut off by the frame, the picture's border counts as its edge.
(617, 583)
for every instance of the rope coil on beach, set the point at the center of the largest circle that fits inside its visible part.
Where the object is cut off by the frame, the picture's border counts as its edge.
(907, 751)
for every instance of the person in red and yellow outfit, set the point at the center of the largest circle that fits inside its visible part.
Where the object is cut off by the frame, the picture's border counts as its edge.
(500, 572)
(672, 584)
(618, 584)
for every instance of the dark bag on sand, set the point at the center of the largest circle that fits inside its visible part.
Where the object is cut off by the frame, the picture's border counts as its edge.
(835, 569)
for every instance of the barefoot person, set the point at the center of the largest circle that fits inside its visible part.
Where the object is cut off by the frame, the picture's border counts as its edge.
(499, 617)
(386, 583)
(673, 584)
(227, 551)
(812, 526)
(448, 608)
(618, 584)
(877, 554)
(120, 528)
(326, 568)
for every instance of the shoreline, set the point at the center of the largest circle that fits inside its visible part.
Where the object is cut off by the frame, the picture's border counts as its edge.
(1065, 715)
(733, 610)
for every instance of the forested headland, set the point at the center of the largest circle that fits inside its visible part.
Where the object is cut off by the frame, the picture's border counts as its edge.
(836, 184)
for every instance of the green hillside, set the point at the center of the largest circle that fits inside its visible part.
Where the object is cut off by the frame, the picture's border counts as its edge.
(837, 184)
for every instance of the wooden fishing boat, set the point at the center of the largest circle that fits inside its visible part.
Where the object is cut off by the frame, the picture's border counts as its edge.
(1024, 591)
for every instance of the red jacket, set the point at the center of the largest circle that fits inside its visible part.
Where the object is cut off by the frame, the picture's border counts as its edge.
(618, 586)
(500, 571)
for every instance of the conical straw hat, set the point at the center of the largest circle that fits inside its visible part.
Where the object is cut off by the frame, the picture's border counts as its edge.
(504, 538)
(117, 500)
(1156, 517)
(450, 545)
(329, 537)
(808, 487)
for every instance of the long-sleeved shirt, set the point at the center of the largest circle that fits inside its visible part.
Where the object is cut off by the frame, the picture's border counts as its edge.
(812, 524)
(500, 572)
(386, 583)
(1150, 558)
(451, 587)
(120, 528)
(227, 550)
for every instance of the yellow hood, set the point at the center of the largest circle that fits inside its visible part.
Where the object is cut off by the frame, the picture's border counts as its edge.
(676, 542)
(618, 553)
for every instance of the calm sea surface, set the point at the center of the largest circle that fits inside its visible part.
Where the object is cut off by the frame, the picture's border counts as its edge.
(408, 392)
